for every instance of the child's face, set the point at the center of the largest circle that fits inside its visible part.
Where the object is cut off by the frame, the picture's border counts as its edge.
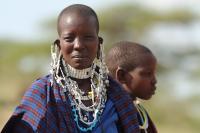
(79, 40)
(142, 83)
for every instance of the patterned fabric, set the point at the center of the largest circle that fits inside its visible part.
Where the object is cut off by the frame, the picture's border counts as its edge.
(127, 113)
(44, 109)
(152, 127)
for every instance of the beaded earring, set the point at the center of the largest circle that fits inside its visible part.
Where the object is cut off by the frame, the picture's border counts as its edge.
(55, 58)
(100, 62)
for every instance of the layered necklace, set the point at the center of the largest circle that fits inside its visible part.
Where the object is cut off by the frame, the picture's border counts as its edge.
(86, 117)
(143, 116)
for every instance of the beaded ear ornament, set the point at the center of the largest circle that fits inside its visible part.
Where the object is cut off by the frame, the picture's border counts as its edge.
(86, 117)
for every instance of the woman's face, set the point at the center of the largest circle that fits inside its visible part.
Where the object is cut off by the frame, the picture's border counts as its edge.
(79, 41)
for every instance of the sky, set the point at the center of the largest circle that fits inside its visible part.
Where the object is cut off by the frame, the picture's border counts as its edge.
(20, 19)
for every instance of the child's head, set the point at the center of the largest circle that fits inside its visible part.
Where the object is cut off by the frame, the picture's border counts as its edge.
(134, 66)
(78, 28)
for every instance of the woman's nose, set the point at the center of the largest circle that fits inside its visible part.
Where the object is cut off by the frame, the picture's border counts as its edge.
(78, 44)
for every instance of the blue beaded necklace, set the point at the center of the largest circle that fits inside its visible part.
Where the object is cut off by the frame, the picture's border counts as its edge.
(76, 118)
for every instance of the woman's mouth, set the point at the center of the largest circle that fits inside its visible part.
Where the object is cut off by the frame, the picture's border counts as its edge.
(79, 56)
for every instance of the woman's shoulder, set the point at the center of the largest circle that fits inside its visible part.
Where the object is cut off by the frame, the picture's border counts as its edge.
(42, 81)
(32, 107)
(37, 91)
(40, 84)
(38, 88)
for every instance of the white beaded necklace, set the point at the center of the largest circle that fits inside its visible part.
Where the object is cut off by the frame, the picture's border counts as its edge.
(78, 74)
(99, 82)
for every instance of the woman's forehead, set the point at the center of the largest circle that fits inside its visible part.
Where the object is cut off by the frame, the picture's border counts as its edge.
(77, 21)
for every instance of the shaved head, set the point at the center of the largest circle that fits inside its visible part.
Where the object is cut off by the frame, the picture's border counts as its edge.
(76, 10)
(127, 55)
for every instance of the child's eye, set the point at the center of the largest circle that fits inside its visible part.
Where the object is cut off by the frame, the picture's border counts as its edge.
(147, 73)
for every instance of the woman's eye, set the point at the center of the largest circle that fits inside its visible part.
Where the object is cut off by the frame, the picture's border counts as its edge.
(68, 39)
(88, 37)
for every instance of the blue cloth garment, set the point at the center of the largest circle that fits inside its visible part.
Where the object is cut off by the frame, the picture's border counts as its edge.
(44, 109)
(108, 123)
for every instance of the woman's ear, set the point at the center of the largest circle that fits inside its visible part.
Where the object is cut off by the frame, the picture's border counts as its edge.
(100, 40)
(57, 43)
(121, 75)
(99, 47)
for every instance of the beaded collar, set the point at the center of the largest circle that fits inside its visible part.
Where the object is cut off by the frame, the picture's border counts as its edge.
(78, 74)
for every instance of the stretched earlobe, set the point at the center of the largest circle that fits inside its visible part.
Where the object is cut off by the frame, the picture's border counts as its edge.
(100, 40)
(57, 43)
(55, 49)
(99, 47)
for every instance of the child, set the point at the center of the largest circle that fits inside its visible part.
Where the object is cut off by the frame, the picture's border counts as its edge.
(134, 66)
(76, 96)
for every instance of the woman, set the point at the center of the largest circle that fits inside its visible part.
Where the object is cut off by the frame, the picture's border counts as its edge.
(76, 96)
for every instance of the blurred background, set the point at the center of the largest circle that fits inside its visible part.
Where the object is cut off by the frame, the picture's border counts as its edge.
(170, 28)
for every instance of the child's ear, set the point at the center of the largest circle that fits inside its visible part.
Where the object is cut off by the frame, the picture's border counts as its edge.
(121, 75)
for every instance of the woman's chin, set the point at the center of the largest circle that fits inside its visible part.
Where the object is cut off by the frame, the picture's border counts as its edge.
(80, 66)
